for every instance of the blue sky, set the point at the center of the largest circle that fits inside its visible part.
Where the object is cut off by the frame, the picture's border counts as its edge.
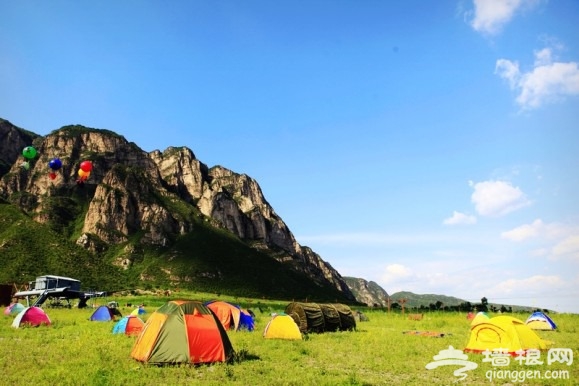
(427, 146)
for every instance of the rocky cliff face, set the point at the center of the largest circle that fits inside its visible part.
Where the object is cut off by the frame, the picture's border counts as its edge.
(366, 292)
(12, 141)
(236, 202)
(131, 194)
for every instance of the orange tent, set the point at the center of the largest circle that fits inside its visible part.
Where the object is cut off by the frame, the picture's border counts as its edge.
(129, 325)
(231, 316)
(182, 331)
(227, 314)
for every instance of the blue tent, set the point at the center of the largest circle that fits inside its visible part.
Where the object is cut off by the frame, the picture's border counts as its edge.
(103, 314)
(129, 325)
(540, 321)
(246, 321)
(138, 311)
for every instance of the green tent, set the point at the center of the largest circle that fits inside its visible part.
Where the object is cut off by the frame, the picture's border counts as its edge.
(314, 317)
(347, 318)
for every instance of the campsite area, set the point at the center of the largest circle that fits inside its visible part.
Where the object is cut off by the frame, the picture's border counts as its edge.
(388, 349)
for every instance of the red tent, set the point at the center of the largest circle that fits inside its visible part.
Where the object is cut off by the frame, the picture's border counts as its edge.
(31, 316)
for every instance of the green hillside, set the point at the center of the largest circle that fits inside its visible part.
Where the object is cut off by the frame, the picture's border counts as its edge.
(417, 300)
(208, 260)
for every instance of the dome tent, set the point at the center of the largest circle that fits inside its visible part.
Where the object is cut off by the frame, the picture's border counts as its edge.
(31, 316)
(479, 318)
(540, 321)
(231, 316)
(282, 326)
(505, 333)
(129, 325)
(105, 314)
(14, 309)
(183, 331)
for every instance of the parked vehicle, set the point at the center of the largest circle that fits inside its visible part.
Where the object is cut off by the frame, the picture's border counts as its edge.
(59, 290)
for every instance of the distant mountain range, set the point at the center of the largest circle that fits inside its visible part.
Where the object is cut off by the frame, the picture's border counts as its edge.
(373, 295)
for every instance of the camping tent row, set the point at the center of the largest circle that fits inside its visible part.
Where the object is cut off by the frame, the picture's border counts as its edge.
(504, 333)
(317, 317)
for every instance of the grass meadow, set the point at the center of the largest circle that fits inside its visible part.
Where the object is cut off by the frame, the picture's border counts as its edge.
(76, 351)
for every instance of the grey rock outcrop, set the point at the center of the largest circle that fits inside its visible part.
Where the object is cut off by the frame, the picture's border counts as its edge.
(369, 293)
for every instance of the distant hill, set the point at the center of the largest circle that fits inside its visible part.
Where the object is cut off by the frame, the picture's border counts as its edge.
(367, 292)
(434, 302)
(417, 300)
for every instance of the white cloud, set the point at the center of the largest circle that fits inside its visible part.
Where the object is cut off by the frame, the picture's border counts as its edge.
(394, 275)
(534, 285)
(497, 198)
(491, 15)
(508, 70)
(568, 248)
(539, 229)
(500, 285)
(397, 270)
(548, 81)
(438, 276)
(524, 232)
(543, 57)
(459, 218)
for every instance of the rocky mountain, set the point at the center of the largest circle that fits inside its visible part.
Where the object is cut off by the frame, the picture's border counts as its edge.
(136, 205)
(366, 292)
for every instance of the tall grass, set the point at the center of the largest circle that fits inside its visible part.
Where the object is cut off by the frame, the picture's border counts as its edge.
(76, 351)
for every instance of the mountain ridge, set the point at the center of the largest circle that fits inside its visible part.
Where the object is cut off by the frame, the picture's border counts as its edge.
(135, 203)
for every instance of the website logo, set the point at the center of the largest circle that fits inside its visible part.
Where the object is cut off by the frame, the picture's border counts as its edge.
(453, 357)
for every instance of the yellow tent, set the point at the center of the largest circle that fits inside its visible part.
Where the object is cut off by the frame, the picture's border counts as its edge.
(479, 317)
(503, 332)
(282, 326)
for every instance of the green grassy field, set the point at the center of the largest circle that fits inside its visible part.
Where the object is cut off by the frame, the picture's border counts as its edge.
(76, 351)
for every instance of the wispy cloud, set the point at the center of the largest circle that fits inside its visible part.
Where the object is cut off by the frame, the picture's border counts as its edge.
(436, 276)
(490, 16)
(538, 229)
(524, 232)
(459, 218)
(548, 81)
(497, 198)
(378, 238)
(533, 285)
(455, 278)
(568, 248)
(561, 241)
